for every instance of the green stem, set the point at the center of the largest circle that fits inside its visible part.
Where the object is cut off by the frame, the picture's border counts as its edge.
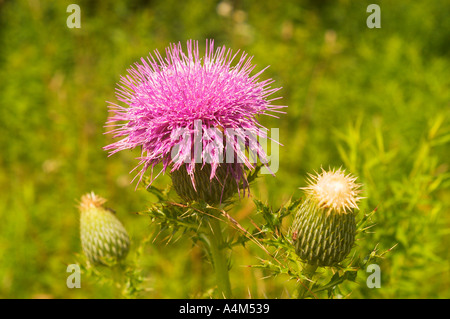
(303, 289)
(219, 258)
(117, 277)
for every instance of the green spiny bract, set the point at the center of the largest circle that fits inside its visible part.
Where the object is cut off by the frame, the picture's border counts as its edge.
(323, 239)
(324, 226)
(103, 237)
(212, 191)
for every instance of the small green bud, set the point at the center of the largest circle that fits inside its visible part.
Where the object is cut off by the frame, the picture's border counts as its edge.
(324, 226)
(103, 237)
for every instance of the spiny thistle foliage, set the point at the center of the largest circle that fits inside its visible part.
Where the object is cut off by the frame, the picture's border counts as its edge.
(325, 222)
(185, 110)
(277, 246)
(103, 237)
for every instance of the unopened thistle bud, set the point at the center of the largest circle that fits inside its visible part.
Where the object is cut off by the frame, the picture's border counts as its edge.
(324, 227)
(103, 236)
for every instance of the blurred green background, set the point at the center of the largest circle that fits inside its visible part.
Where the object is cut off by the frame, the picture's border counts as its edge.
(374, 101)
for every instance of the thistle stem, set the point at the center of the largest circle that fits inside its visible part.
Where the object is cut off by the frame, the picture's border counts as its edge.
(219, 258)
(303, 289)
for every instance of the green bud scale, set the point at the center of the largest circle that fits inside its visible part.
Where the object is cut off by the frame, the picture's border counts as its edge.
(324, 227)
(201, 187)
(103, 236)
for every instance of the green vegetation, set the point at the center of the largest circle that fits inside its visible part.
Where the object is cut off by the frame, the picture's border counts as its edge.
(374, 101)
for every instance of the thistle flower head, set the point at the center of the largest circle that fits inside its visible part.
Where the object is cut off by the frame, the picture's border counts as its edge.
(324, 225)
(184, 92)
(334, 190)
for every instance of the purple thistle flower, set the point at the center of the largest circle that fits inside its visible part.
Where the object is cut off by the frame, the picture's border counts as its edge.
(176, 101)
